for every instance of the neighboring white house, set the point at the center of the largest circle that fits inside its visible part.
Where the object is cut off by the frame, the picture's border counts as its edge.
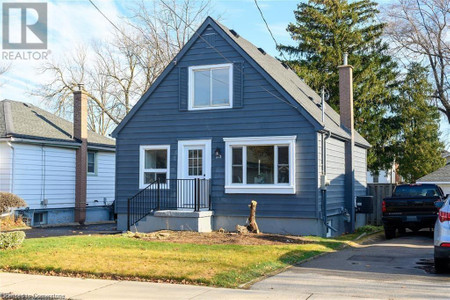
(440, 177)
(384, 176)
(38, 163)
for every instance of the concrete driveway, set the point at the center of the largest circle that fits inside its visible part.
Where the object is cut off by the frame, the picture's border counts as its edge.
(398, 268)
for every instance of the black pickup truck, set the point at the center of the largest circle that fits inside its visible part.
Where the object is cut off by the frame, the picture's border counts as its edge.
(411, 206)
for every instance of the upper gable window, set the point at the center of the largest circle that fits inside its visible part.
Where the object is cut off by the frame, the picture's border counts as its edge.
(210, 87)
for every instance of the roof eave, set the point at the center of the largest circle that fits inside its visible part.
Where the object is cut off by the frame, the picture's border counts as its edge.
(55, 142)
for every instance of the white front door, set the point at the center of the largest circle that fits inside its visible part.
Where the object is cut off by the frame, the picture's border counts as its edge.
(194, 161)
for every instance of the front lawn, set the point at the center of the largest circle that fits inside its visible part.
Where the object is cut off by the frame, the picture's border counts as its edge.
(121, 257)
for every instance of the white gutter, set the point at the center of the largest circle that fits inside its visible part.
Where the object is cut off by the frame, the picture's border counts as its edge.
(73, 145)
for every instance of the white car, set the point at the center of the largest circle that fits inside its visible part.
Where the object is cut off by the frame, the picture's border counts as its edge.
(442, 237)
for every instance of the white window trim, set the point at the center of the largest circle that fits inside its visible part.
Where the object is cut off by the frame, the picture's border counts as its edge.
(191, 86)
(142, 149)
(95, 163)
(276, 188)
(182, 159)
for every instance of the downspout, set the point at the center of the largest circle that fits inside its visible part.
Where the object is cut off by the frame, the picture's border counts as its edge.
(11, 183)
(323, 178)
(42, 175)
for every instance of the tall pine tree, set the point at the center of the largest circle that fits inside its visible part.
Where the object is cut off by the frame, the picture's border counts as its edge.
(418, 149)
(324, 30)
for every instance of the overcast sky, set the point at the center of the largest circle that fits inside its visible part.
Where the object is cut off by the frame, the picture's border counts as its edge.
(72, 23)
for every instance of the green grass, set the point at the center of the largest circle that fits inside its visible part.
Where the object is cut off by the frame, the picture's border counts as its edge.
(128, 258)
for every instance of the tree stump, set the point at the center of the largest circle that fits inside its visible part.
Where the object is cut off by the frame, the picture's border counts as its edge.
(241, 229)
(252, 226)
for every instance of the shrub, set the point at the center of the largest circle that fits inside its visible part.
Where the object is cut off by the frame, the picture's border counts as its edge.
(9, 240)
(8, 200)
(12, 222)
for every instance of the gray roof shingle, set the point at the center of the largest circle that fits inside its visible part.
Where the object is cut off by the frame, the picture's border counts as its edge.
(296, 88)
(23, 120)
(440, 175)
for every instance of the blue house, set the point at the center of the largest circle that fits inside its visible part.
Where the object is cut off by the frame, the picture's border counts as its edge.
(226, 123)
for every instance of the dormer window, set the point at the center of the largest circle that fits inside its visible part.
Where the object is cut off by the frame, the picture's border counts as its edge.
(210, 87)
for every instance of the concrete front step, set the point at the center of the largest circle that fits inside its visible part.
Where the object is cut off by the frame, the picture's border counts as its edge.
(200, 221)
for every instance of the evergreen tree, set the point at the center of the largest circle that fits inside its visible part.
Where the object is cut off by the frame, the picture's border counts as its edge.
(418, 149)
(324, 30)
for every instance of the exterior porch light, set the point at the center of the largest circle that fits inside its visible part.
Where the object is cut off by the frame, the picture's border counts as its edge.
(218, 153)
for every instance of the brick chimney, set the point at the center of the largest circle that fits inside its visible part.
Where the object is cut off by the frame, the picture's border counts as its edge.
(346, 95)
(80, 134)
(347, 123)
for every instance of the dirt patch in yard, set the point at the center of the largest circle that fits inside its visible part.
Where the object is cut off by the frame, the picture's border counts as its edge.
(218, 238)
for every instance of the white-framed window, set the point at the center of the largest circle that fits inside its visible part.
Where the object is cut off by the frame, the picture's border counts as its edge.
(92, 163)
(154, 164)
(211, 87)
(260, 165)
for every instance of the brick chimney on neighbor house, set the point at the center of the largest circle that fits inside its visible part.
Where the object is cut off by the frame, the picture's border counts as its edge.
(347, 123)
(80, 134)
(346, 95)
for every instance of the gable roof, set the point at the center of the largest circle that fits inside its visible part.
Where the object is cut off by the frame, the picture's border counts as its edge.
(440, 175)
(26, 121)
(303, 98)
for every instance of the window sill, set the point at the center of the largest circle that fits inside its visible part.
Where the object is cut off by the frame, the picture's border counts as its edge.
(210, 108)
(260, 189)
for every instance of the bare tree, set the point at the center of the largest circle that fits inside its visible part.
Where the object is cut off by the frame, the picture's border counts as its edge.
(117, 72)
(3, 69)
(420, 31)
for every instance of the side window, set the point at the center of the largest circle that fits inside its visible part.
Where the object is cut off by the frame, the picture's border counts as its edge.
(92, 163)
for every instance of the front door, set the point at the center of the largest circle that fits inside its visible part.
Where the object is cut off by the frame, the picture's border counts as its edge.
(194, 162)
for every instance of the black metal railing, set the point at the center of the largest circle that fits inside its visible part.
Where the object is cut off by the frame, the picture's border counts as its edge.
(169, 194)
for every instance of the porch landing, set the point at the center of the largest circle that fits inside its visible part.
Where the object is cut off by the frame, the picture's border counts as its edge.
(200, 221)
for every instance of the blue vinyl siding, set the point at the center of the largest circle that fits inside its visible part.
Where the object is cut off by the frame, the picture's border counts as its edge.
(160, 121)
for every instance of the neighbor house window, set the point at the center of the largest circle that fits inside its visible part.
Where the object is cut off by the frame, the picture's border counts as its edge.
(210, 86)
(260, 165)
(92, 162)
(154, 164)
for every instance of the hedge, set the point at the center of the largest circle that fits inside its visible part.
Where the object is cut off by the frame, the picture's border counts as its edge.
(8, 200)
(9, 240)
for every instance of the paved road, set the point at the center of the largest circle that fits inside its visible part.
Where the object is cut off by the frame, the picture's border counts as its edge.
(398, 268)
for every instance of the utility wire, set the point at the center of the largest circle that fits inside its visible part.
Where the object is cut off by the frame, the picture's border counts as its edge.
(221, 54)
(268, 29)
(195, 31)
(106, 17)
(144, 65)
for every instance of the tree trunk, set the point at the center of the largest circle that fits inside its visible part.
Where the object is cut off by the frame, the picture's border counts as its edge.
(252, 226)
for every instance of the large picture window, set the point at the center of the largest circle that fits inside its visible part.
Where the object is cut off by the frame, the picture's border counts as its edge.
(260, 165)
(210, 86)
(154, 164)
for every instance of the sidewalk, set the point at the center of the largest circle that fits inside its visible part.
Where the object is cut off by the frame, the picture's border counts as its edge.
(76, 288)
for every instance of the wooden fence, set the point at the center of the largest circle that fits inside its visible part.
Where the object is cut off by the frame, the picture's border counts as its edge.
(379, 191)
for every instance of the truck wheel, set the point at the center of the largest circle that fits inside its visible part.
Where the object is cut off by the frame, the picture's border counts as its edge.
(440, 265)
(401, 230)
(389, 232)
